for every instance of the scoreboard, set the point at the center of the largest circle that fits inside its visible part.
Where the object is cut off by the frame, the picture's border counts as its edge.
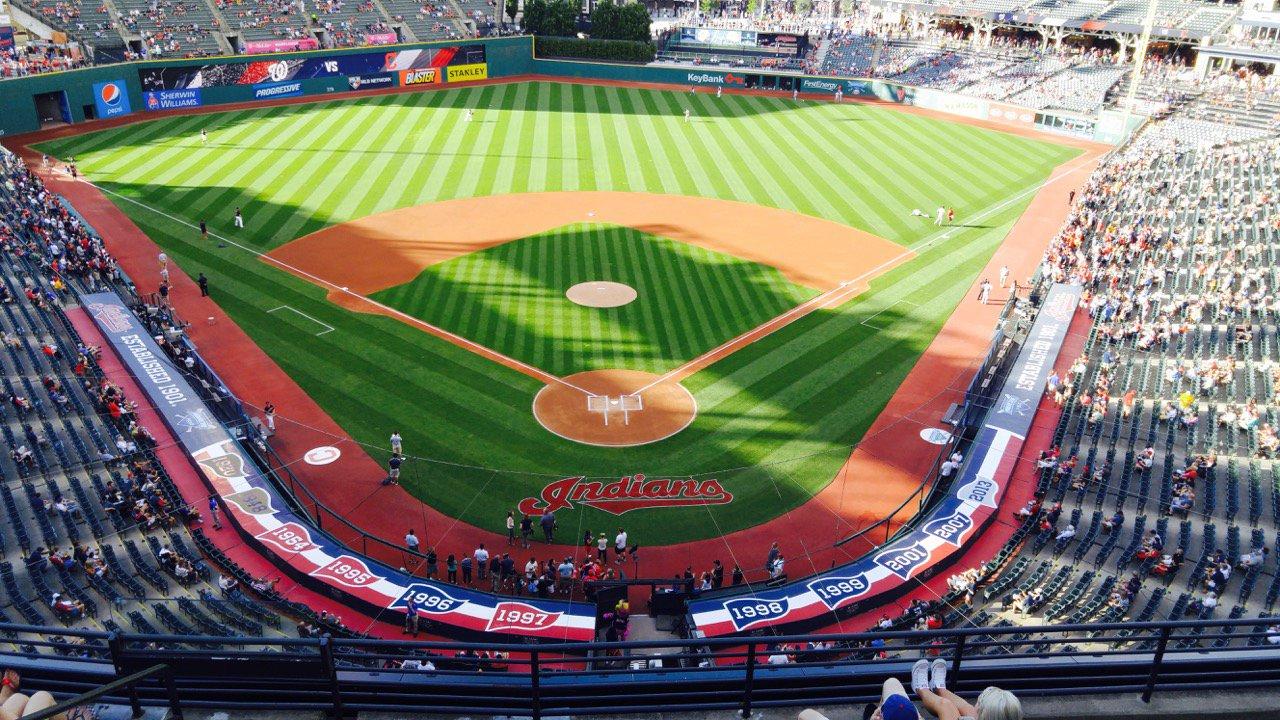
(776, 42)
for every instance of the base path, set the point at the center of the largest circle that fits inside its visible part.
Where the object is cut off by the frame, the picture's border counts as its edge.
(397, 245)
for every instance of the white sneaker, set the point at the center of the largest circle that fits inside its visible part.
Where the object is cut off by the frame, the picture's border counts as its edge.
(920, 675)
(938, 674)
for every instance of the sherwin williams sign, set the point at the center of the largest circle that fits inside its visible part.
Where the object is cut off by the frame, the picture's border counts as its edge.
(258, 511)
(172, 99)
(111, 99)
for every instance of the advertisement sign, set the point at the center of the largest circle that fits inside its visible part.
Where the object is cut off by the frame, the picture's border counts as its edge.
(970, 505)
(387, 38)
(6, 33)
(253, 47)
(717, 36)
(716, 78)
(463, 73)
(290, 540)
(951, 103)
(254, 72)
(421, 76)
(1004, 112)
(277, 89)
(369, 82)
(172, 99)
(111, 99)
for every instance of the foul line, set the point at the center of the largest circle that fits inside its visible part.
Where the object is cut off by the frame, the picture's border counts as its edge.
(328, 327)
(886, 309)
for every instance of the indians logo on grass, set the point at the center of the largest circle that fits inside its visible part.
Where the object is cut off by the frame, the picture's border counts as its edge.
(519, 616)
(633, 492)
(112, 317)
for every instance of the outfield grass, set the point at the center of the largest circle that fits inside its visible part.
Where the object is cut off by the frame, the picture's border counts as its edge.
(788, 407)
(511, 298)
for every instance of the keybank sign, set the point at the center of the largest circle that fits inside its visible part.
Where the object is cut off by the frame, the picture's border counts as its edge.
(705, 78)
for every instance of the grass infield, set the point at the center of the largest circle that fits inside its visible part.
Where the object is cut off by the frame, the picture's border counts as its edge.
(787, 407)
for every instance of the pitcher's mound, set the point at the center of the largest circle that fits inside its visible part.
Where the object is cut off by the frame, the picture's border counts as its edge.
(601, 294)
(640, 408)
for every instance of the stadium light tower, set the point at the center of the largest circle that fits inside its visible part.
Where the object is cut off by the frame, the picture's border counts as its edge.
(1139, 59)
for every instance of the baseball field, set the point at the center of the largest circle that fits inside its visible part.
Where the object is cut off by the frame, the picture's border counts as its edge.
(408, 267)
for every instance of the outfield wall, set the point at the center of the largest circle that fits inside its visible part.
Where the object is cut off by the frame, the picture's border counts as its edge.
(139, 88)
(116, 90)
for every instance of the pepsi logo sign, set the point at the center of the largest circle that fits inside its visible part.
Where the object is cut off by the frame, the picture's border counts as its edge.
(837, 590)
(950, 529)
(520, 617)
(111, 94)
(349, 571)
(429, 599)
(748, 612)
(290, 538)
(902, 561)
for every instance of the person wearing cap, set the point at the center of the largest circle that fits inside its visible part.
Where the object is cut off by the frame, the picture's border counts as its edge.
(894, 703)
(929, 681)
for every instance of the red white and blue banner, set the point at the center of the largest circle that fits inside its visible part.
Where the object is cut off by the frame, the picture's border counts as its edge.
(939, 536)
(259, 511)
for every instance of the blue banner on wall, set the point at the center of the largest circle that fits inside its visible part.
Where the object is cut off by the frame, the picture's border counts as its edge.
(172, 99)
(287, 88)
(258, 510)
(971, 503)
(111, 98)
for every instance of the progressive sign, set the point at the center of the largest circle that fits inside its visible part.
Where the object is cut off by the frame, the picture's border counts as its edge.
(260, 513)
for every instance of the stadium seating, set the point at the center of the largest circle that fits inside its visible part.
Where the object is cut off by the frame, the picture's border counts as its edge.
(173, 28)
(90, 513)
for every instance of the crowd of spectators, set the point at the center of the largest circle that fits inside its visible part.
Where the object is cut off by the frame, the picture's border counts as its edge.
(37, 59)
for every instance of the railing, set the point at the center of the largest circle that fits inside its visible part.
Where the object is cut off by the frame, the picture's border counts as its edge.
(347, 676)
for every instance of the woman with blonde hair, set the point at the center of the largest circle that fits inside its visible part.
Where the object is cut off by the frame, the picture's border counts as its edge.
(930, 684)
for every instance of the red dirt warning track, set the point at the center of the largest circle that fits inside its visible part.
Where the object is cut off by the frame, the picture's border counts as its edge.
(891, 454)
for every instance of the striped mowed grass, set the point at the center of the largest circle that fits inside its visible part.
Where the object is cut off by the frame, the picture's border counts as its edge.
(511, 298)
(785, 410)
